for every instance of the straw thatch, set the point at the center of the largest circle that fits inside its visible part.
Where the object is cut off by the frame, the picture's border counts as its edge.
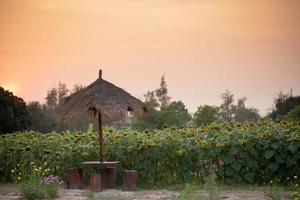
(101, 96)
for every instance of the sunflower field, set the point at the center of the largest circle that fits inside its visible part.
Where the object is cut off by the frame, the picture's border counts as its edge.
(251, 152)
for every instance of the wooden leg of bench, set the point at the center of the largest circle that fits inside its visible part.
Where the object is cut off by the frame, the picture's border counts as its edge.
(109, 176)
(96, 185)
(129, 180)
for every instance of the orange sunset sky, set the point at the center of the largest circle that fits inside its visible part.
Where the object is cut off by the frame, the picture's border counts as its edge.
(251, 47)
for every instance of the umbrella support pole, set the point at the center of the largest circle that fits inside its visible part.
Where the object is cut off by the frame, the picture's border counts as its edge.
(100, 137)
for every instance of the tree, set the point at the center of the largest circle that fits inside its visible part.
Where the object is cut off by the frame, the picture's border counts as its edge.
(13, 113)
(162, 94)
(205, 115)
(42, 117)
(227, 107)
(243, 114)
(150, 120)
(62, 92)
(77, 88)
(294, 114)
(160, 112)
(236, 112)
(151, 100)
(52, 98)
(175, 114)
(283, 104)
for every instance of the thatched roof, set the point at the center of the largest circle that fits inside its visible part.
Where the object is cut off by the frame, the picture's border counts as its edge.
(101, 96)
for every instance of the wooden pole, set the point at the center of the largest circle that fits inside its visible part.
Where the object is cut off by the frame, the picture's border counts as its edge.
(100, 137)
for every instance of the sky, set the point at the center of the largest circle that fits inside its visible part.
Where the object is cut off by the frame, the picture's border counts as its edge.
(203, 47)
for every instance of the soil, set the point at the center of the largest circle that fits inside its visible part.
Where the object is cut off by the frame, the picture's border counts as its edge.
(9, 193)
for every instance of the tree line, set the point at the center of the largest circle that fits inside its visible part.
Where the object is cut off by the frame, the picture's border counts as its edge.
(16, 115)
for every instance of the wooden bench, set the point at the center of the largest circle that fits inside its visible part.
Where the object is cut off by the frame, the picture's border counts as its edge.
(106, 174)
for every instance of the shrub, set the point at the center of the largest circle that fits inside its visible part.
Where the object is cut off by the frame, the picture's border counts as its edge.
(251, 152)
(51, 190)
(51, 184)
(32, 190)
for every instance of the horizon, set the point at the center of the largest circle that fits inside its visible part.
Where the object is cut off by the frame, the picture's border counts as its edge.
(203, 47)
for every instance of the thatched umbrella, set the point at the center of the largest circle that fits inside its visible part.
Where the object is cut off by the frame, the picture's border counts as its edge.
(102, 98)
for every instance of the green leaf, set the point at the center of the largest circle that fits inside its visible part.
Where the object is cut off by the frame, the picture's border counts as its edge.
(269, 154)
(228, 159)
(275, 145)
(236, 165)
(229, 171)
(252, 163)
(234, 151)
(279, 159)
(273, 166)
(293, 147)
(249, 177)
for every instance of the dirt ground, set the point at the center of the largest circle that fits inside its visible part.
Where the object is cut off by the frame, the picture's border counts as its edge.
(9, 192)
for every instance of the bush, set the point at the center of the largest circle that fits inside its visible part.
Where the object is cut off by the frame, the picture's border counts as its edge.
(51, 190)
(32, 190)
(251, 152)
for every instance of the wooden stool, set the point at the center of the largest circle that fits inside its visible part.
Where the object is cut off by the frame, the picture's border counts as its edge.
(129, 180)
(74, 178)
(109, 176)
(96, 185)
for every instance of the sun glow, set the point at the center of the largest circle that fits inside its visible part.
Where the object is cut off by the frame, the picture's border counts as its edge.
(11, 87)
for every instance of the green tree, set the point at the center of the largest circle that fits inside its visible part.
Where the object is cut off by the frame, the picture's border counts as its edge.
(175, 114)
(162, 94)
(283, 104)
(229, 111)
(150, 120)
(77, 88)
(243, 114)
(294, 114)
(62, 92)
(151, 101)
(42, 117)
(160, 112)
(205, 115)
(227, 107)
(52, 98)
(13, 113)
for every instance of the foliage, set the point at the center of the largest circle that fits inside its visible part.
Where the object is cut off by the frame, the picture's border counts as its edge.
(252, 152)
(294, 114)
(13, 113)
(243, 114)
(161, 113)
(189, 193)
(41, 116)
(32, 190)
(275, 189)
(283, 104)
(209, 176)
(51, 190)
(31, 186)
(162, 94)
(229, 111)
(205, 115)
(227, 107)
(210, 185)
(175, 114)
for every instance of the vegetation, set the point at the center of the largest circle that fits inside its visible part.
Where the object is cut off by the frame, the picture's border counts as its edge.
(286, 106)
(161, 112)
(205, 115)
(230, 112)
(13, 113)
(251, 152)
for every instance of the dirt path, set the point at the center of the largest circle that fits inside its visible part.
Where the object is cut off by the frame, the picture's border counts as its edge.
(112, 194)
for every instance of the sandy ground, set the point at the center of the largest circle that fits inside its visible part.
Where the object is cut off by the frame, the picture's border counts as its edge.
(9, 193)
